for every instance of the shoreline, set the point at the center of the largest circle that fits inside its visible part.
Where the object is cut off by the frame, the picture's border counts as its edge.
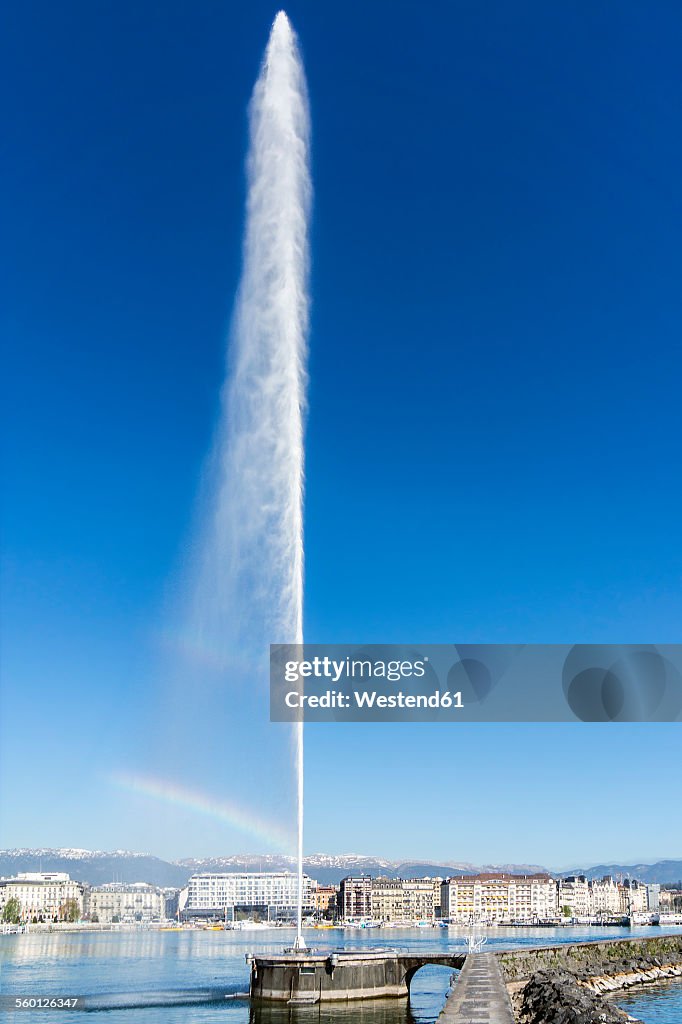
(587, 977)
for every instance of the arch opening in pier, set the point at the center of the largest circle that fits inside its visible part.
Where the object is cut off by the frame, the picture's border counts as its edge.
(426, 984)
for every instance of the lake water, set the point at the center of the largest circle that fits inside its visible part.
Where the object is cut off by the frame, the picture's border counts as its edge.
(181, 977)
(662, 1005)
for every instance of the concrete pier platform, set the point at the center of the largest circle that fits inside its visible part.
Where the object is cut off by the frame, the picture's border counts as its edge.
(303, 979)
(479, 996)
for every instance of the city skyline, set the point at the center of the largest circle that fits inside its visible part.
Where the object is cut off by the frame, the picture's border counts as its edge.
(485, 897)
(492, 426)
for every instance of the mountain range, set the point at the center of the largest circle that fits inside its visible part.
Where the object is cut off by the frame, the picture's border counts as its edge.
(96, 866)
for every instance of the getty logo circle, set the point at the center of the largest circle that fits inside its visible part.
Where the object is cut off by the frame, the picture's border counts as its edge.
(612, 683)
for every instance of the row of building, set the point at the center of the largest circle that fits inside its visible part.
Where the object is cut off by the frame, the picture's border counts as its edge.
(54, 896)
(391, 900)
(494, 898)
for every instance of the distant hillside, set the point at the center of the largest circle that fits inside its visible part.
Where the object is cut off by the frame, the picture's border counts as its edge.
(96, 867)
(330, 869)
(421, 869)
(663, 871)
(325, 869)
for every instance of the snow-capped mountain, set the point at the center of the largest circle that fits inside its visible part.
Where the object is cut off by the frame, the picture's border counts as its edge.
(98, 866)
(95, 866)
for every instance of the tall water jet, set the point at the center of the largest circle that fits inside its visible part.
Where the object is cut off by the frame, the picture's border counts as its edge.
(250, 584)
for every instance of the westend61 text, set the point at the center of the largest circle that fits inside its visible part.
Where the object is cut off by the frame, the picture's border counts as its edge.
(372, 699)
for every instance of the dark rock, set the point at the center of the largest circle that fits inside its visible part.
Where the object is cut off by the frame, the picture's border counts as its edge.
(557, 998)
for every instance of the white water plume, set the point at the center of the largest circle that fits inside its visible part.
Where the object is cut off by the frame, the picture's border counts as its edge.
(250, 583)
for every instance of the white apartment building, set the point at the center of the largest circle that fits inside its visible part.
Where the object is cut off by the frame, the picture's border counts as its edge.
(43, 895)
(633, 897)
(460, 900)
(500, 897)
(574, 896)
(126, 902)
(421, 898)
(532, 898)
(274, 893)
(604, 897)
(387, 902)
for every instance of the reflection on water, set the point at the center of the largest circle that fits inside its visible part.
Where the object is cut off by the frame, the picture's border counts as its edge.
(378, 1011)
(147, 945)
(182, 977)
(427, 994)
(150, 1000)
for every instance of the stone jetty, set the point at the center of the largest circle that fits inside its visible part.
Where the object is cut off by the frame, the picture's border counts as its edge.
(479, 995)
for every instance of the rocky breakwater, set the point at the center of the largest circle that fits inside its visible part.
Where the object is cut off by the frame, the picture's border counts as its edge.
(607, 984)
(567, 984)
(550, 998)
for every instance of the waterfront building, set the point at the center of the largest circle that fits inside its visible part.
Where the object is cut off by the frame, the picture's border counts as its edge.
(604, 897)
(633, 897)
(532, 897)
(421, 898)
(325, 900)
(653, 898)
(459, 899)
(496, 898)
(405, 899)
(574, 896)
(387, 901)
(171, 898)
(43, 895)
(671, 900)
(126, 903)
(355, 897)
(271, 894)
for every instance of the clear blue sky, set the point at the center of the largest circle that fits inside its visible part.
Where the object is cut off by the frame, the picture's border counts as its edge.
(494, 437)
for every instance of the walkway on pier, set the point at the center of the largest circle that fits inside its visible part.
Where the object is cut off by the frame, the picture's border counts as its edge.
(479, 995)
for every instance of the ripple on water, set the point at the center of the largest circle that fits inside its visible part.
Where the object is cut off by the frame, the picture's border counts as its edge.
(660, 1004)
(137, 966)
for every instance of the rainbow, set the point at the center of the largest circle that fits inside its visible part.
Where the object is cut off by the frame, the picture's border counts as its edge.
(202, 803)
